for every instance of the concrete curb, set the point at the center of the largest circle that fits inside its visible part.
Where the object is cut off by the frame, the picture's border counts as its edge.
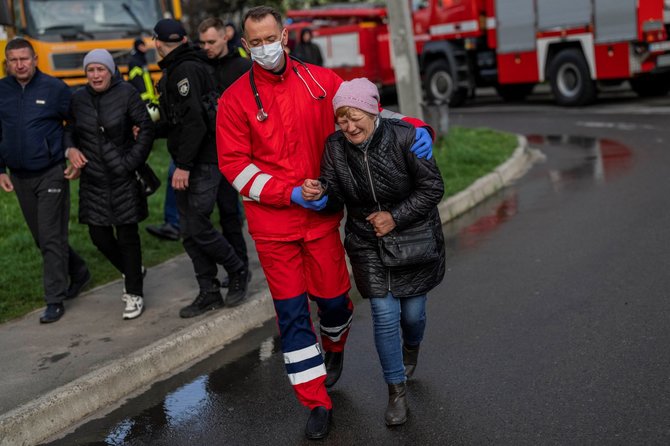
(40, 419)
(63, 407)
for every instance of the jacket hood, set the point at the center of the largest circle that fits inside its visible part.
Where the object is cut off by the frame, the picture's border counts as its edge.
(183, 53)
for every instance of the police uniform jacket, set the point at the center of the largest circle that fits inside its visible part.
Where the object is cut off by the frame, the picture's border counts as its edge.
(187, 79)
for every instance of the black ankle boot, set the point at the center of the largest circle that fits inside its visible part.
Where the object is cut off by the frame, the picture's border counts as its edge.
(333, 362)
(410, 356)
(318, 423)
(396, 412)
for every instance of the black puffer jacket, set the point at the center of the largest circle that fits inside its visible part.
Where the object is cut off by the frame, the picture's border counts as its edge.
(406, 186)
(109, 193)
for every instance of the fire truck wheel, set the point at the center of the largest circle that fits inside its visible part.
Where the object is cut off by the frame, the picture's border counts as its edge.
(440, 87)
(650, 86)
(570, 79)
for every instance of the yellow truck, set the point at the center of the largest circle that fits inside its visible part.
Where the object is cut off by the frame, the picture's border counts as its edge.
(63, 31)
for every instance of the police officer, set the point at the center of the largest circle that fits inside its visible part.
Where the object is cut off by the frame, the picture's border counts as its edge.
(185, 83)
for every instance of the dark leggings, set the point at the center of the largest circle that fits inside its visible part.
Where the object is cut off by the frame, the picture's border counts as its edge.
(123, 250)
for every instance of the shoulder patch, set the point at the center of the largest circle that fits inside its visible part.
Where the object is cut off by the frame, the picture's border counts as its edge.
(183, 87)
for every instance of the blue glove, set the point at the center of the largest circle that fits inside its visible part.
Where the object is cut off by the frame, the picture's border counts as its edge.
(423, 144)
(317, 205)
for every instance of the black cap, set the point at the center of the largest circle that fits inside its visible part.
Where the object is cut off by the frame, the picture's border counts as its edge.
(169, 30)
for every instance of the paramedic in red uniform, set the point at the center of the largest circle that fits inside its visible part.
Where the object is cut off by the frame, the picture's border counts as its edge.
(272, 124)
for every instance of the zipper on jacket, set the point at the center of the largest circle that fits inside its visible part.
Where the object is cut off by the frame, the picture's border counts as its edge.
(374, 197)
(20, 126)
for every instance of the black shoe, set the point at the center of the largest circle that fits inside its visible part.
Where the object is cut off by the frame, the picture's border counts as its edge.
(78, 284)
(165, 231)
(237, 287)
(318, 423)
(52, 313)
(410, 357)
(333, 361)
(205, 301)
(396, 411)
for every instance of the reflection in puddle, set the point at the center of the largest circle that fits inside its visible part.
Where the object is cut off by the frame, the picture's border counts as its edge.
(266, 349)
(572, 160)
(185, 403)
(120, 432)
(474, 232)
(600, 160)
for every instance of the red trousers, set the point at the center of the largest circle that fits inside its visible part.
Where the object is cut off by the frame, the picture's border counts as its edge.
(297, 272)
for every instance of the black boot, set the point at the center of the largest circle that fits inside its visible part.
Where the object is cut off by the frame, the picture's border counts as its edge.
(318, 423)
(396, 412)
(333, 362)
(208, 299)
(410, 356)
(237, 287)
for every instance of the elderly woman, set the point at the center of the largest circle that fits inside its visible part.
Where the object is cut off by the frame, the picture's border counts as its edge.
(101, 142)
(389, 194)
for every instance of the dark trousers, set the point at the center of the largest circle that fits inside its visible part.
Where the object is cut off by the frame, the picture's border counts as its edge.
(45, 203)
(204, 245)
(230, 215)
(123, 250)
(170, 214)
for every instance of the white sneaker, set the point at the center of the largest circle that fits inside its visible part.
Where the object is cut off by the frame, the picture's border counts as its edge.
(134, 306)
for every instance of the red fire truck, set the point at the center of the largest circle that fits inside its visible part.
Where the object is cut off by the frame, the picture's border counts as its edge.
(512, 45)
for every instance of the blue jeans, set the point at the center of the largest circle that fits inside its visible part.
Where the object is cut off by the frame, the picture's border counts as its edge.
(389, 316)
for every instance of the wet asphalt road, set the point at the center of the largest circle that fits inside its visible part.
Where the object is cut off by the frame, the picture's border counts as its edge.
(551, 326)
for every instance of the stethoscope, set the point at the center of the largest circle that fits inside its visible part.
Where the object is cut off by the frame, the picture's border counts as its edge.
(262, 115)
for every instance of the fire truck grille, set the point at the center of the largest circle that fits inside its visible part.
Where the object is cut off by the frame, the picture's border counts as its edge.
(74, 61)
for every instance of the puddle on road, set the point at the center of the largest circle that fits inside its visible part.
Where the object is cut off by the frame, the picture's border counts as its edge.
(571, 161)
(583, 158)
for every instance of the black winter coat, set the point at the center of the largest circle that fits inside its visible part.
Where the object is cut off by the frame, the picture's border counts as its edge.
(109, 193)
(309, 53)
(406, 186)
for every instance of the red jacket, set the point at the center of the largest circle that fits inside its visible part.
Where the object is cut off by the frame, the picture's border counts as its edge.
(265, 160)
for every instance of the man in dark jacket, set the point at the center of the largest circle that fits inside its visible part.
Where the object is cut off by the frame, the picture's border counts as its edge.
(228, 67)
(186, 81)
(33, 107)
(306, 50)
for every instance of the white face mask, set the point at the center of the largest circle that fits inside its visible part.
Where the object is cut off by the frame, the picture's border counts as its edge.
(267, 56)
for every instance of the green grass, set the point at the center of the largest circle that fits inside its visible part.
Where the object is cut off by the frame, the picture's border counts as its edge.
(21, 289)
(467, 154)
(463, 156)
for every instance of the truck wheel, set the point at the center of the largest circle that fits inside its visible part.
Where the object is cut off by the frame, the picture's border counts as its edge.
(514, 92)
(570, 79)
(440, 86)
(650, 86)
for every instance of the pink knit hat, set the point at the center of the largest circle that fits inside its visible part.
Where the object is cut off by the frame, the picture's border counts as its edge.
(359, 93)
